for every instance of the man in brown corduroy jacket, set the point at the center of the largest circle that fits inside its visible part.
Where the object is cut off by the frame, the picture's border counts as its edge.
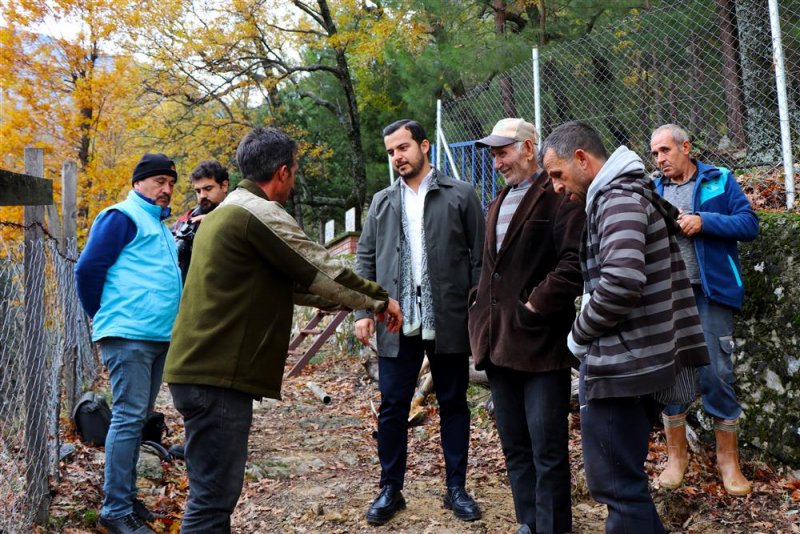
(522, 312)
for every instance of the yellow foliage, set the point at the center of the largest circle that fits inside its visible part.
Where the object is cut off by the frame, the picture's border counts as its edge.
(68, 95)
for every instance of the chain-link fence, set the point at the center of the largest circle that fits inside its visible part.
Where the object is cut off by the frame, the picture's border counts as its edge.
(704, 64)
(46, 358)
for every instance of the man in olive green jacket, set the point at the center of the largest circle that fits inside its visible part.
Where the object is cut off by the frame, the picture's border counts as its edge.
(251, 262)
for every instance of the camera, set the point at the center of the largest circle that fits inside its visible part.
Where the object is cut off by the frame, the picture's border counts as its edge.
(186, 231)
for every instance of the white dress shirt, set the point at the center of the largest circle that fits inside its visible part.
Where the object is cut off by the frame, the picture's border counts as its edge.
(414, 204)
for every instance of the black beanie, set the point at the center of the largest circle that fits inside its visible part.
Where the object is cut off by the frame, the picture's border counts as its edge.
(153, 165)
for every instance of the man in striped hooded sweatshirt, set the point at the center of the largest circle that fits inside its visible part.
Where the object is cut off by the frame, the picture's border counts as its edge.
(638, 324)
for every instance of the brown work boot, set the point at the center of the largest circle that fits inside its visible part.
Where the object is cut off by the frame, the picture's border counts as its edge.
(677, 451)
(728, 458)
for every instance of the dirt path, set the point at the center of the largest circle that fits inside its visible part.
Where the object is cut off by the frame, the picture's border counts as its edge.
(318, 469)
(314, 468)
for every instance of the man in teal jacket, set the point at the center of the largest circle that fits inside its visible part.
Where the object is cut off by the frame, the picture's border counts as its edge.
(715, 216)
(129, 283)
(250, 263)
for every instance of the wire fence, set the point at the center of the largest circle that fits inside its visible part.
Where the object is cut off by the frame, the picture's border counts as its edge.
(704, 64)
(46, 359)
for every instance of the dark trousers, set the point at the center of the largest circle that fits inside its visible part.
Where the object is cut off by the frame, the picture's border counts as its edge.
(532, 414)
(398, 380)
(615, 434)
(217, 422)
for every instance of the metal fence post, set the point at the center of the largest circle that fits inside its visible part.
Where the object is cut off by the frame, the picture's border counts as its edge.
(69, 248)
(438, 133)
(537, 97)
(34, 356)
(783, 105)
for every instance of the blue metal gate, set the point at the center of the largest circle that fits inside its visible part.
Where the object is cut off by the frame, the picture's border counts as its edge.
(474, 165)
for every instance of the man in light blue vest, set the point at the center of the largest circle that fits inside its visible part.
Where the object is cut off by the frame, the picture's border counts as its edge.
(129, 283)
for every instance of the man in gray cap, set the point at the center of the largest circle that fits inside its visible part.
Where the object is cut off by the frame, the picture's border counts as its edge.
(518, 325)
(129, 283)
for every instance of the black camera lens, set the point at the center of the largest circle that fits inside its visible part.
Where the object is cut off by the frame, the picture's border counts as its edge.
(185, 231)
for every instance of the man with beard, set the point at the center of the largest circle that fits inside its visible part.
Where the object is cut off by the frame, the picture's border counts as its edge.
(129, 283)
(210, 183)
(422, 241)
(638, 326)
(518, 325)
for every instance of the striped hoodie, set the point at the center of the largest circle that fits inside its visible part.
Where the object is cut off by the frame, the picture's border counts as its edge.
(638, 321)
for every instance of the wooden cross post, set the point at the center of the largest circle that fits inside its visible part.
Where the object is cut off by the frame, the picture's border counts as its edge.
(33, 194)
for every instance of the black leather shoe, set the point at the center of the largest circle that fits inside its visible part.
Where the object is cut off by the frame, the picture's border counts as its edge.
(389, 501)
(128, 524)
(141, 510)
(463, 506)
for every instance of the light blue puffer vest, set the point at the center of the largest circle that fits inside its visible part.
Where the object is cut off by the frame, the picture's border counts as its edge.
(143, 288)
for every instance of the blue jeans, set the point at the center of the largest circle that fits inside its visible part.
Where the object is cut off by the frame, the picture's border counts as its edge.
(716, 379)
(134, 370)
(217, 423)
(398, 380)
(615, 436)
(532, 413)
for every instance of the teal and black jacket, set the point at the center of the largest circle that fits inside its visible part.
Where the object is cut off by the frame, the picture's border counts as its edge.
(727, 219)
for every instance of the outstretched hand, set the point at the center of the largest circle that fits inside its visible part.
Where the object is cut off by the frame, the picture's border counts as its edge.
(392, 315)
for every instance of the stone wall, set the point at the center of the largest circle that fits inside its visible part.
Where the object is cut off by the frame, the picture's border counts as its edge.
(768, 338)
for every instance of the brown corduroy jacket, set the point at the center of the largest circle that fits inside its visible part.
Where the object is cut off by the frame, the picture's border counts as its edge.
(537, 263)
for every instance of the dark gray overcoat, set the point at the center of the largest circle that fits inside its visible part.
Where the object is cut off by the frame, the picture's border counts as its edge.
(454, 231)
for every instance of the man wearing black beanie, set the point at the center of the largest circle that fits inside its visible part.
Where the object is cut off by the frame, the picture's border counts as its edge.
(129, 283)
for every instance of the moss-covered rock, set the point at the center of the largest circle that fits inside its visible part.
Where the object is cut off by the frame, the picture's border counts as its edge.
(768, 354)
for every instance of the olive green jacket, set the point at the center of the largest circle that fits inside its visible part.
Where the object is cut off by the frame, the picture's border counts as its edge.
(250, 264)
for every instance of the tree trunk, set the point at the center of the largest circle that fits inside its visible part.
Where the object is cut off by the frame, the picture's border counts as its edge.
(506, 82)
(760, 96)
(604, 77)
(86, 137)
(699, 121)
(731, 76)
(84, 75)
(353, 122)
(542, 23)
(297, 209)
(667, 110)
(646, 95)
(555, 81)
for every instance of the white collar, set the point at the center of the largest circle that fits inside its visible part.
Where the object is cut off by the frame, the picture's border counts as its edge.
(424, 184)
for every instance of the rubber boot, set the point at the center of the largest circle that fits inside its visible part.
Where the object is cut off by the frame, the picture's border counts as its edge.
(728, 458)
(677, 451)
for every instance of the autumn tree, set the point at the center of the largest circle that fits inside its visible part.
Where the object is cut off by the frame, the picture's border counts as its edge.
(71, 95)
(266, 53)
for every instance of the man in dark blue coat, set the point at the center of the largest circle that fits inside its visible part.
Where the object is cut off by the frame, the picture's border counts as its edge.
(715, 216)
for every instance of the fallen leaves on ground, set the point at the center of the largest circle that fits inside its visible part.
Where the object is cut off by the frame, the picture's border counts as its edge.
(313, 467)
